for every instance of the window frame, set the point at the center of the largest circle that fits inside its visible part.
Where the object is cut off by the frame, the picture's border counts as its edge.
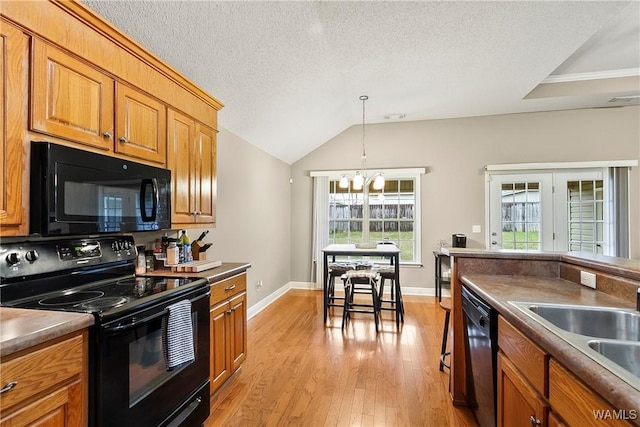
(414, 174)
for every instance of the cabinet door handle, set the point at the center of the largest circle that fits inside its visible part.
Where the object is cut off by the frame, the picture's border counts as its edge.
(9, 386)
(107, 135)
(228, 311)
(534, 421)
(122, 139)
(230, 288)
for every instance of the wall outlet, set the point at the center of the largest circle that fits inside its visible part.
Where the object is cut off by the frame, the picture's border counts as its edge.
(258, 285)
(588, 279)
(476, 229)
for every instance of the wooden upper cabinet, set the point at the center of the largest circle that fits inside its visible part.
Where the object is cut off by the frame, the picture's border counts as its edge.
(76, 101)
(206, 163)
(192, 160)
(71, 99)
(13, 113)
(141, 123)
(181, 134)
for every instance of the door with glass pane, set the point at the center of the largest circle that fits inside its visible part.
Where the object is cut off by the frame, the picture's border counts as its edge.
(581, 214)
(521, 212)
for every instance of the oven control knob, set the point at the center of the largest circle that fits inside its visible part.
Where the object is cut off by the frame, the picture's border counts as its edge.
(31, 256)
(13, 258)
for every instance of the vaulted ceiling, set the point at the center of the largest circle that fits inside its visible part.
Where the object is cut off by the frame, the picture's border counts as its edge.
(290, 73)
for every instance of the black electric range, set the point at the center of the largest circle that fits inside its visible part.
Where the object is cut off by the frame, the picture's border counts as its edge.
(128, 373)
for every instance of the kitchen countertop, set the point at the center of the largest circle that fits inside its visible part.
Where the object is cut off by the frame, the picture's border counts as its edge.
(499, 290)
(23, 328)
(213, 275)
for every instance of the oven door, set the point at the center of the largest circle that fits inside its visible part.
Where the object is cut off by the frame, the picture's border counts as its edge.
(133, 385)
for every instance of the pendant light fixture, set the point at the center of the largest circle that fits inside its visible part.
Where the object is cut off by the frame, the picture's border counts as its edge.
(360, 179)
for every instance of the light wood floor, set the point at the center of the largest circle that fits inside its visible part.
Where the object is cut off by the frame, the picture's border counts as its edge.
(301, 373)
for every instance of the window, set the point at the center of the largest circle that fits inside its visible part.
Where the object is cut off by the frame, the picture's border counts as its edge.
(370, 215)
(585, 211)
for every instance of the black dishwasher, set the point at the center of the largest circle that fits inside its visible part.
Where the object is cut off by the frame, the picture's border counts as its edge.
(481, 334)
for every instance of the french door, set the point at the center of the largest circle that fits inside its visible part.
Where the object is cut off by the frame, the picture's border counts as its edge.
(553, 211)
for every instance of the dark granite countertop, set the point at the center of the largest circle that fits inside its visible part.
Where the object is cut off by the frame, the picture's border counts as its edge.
(499, 290)
(22, 328)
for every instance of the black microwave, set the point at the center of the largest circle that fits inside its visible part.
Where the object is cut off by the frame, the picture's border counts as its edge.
(79, 192)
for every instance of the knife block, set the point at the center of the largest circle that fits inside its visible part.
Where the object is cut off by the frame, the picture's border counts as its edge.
(197, 255)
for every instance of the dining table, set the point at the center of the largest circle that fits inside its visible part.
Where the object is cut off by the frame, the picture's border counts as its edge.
(384, 251)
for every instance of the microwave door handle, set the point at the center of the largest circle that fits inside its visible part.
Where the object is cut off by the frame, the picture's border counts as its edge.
(143, 193)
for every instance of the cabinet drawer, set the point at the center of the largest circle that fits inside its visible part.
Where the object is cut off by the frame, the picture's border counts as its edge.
(227, 288)
(578, 405)
(40, 370)
(530, 359)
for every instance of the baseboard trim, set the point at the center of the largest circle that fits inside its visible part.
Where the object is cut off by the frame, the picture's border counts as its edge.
(270, 299)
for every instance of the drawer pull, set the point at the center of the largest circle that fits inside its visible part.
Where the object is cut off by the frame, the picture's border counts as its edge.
(9, 386)
(230, 288)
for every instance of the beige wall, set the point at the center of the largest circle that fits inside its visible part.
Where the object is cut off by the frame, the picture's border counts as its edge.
(253, 214)
(455, 152)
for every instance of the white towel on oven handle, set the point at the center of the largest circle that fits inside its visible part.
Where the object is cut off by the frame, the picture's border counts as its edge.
(178, 335)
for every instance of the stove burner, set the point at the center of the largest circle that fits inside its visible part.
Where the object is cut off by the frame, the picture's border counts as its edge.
(103, 303)
(71, 298)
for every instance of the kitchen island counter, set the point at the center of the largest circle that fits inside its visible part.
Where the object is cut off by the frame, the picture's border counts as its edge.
(499, 290)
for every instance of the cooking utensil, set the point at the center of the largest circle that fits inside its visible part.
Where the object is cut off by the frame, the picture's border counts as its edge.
(204, 233)
(205, 247)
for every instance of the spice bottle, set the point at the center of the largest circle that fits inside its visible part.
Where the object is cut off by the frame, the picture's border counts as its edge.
(141, 266)
(173, 257)
(149, 260)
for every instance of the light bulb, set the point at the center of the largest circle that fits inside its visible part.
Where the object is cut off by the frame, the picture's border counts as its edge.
(378, 183)
(344, 182)
(358, 181)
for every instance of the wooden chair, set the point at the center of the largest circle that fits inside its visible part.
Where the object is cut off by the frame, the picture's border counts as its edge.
(445, 304)
(394, 302)
(336, 269)
(360, 282)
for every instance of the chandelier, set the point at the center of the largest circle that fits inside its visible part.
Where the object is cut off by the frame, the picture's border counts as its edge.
(360, 178)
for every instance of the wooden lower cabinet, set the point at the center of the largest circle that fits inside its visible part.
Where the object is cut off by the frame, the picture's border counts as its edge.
(50, 385)
(518, 402)
(228, 316)
(555, 420)
(578, 405)
(534, 389)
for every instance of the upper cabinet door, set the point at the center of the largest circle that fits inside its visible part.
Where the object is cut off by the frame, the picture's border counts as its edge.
(13, 113)
(141, 125)
(206, 177)
(70, 99)
(181, 143)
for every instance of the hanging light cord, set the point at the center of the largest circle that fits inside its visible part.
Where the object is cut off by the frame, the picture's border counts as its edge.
(363, 98)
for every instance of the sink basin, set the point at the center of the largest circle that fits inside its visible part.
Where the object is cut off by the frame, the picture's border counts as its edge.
(598, 322)
(608, 335)
(625, 354)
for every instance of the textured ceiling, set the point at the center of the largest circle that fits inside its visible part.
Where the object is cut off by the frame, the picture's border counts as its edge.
(290, 73)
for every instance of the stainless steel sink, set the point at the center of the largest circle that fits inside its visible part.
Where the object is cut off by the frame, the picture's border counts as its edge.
(608, 335)
(624, 353)
(599, 322)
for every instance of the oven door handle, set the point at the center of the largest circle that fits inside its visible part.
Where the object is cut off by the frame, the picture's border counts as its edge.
(136, 322)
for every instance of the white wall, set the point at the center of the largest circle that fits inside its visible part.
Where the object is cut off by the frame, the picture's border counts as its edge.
(455, 152)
